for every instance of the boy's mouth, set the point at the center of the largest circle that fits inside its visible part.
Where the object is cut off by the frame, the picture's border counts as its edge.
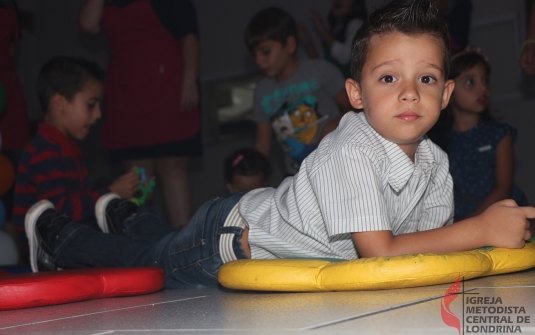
(408, 116)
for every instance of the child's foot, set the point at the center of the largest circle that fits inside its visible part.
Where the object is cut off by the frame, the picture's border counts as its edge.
(111, 211)
(43, 224)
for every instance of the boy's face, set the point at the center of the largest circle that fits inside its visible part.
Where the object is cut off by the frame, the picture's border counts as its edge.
(275, 59)
(402, 88)
(77, 116)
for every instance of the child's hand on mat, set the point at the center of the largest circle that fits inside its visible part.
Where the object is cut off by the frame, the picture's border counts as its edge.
(126, 185)
(505, 224)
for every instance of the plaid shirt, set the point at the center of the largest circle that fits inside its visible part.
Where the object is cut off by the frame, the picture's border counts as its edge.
(51, 167)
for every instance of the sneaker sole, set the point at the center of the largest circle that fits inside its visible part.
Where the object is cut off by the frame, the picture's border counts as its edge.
(100, 210)
(30, 221)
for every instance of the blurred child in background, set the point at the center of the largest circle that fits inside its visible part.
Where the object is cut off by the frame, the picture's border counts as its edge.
(343, 21)
(480, 150)
(246, 169)
(52, 166)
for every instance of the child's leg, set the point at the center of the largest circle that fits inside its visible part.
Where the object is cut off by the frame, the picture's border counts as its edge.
(193, 256)
(189, 257)
(148, 227)
(173, 172)
(79, 246)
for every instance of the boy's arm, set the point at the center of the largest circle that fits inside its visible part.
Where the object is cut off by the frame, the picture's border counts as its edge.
(264, 135)
(503, 175)
(190, 53)
(49, 175)
(503, 224)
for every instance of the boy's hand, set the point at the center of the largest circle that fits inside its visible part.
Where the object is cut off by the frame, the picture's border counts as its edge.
(126, 185)
(505, 224)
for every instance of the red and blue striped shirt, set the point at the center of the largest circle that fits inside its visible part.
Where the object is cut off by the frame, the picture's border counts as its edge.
(52, 168)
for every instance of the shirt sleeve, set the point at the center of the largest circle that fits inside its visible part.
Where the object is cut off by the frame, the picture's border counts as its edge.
(438, 204)
(47, 172)
(331, 79)
(508, 129)
(341, 51)
(350, 193)
(179, 17)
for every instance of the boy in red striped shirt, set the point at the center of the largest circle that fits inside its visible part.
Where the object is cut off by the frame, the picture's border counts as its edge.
(51, 167)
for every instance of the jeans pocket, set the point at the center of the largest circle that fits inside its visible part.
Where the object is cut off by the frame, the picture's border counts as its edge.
(201, 273)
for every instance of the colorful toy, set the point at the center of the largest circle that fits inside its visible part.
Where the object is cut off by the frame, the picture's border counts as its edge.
(7, 174)
(146, 187)
(374, 273)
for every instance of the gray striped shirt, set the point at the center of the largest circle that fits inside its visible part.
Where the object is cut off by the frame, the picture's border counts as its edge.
(355, 181)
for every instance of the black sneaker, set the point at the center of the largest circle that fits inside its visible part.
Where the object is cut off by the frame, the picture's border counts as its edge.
(43, 224)
(111, 211)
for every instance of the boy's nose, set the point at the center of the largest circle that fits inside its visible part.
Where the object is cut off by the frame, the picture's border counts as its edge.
(409, 92)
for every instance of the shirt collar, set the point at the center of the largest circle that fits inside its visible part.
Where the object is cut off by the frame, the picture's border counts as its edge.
(401, 167)
(53, 135)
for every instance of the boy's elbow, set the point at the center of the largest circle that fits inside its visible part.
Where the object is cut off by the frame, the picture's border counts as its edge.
(379, 252)
(374, 244)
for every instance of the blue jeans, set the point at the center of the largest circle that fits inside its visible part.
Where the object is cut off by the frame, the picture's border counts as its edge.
(189, 257)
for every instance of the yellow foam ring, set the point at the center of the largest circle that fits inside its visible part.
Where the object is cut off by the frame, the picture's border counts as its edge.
(302, 275)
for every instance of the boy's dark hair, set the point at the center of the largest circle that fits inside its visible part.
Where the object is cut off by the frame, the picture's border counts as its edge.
(65, 76)
(417, 18)
(246, 162)
(270, 23)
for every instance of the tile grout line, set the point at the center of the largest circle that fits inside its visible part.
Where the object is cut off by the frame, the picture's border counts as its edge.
(358, 316)
(199, 330)
(94, 313)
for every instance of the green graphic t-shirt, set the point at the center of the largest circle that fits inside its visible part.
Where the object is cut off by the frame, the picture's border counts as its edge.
(299, 107)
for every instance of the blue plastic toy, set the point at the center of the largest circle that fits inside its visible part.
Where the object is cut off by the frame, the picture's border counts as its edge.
(145, 186)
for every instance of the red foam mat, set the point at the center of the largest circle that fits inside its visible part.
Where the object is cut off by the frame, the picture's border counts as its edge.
(58, 287)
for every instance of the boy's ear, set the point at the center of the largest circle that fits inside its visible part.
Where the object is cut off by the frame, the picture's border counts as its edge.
(448, 90)
(291, 44)
(57, 103)
(354, 93)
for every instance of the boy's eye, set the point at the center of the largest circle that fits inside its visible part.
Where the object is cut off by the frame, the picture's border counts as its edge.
(389, 79)
(427, 80)
(469, 82)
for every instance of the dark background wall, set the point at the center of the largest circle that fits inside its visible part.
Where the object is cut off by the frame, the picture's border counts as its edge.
(497, 27)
